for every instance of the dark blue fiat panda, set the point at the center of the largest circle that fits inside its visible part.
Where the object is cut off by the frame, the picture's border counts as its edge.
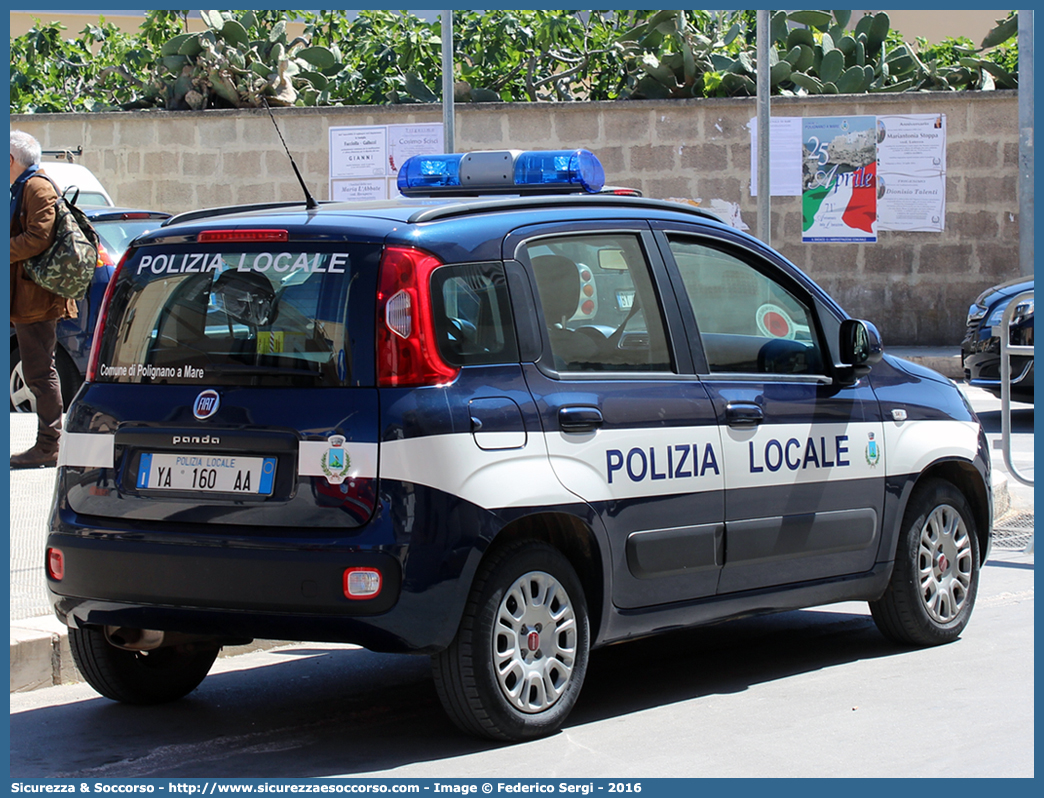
(500, 421)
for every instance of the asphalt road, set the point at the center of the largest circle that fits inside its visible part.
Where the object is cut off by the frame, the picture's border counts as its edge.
(809, 694)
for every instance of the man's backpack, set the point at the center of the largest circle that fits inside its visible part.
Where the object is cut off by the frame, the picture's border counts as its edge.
(66, 268)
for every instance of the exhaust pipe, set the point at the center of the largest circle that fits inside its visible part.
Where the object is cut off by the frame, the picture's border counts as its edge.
(134, 639)
(130, 639)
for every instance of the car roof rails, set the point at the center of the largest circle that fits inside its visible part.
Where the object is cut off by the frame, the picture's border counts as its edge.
(65, 154)
(493, 205)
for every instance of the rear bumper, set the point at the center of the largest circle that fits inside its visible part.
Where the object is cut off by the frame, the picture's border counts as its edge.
(237, 579)
(275, 589)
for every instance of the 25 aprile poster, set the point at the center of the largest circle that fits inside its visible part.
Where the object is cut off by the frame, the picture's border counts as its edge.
(839, 179)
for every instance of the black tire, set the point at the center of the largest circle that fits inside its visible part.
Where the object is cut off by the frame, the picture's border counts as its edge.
(474, 691)
(153, 677)
(68, 377)
(936, 574)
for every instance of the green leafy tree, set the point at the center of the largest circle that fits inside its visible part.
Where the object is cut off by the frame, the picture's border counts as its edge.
(246, 58)
(51, 73)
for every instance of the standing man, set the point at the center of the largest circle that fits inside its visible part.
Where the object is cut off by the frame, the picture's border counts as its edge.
(35, 311)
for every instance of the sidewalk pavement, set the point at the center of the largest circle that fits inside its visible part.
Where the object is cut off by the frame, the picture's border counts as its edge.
(40, 655)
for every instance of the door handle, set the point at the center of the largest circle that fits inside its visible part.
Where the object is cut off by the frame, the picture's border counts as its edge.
(579, 419)
(743, 415)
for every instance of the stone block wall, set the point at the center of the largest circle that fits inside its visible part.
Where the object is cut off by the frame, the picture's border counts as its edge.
(915, 286)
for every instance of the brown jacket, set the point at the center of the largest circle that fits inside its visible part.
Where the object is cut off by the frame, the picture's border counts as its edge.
(32, 231)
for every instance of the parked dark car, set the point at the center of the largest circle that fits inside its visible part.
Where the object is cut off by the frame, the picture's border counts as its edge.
(116, 227)
(980, 350)
(501, 421)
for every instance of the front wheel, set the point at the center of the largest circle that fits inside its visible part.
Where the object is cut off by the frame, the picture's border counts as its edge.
(936, 574)
(138, 677)
(516, 666)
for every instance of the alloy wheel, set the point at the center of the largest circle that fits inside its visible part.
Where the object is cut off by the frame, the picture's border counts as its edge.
(944, 561)
(534, 642)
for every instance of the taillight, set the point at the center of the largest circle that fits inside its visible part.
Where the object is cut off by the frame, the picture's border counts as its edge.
(103, 312)
(104, 258)
(407, 349)
(55, 564)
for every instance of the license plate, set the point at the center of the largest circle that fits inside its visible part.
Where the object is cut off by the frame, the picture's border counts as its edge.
(210, 473)
(624, 299)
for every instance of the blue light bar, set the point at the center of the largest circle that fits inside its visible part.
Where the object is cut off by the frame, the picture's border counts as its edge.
(577, 168)
(502, 172)
(430, 171)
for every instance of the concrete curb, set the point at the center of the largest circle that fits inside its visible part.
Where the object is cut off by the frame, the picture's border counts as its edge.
(947, 361)
(41, 657)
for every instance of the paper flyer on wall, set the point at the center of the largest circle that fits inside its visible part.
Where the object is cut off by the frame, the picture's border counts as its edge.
(358, 190)
(784, 156)
(839, 179)
(364, 161)
(358, 152)
(911, 157)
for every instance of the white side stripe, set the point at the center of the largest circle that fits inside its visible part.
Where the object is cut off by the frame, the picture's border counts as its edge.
(489, 478)
(801, 454)
(911, 446)
(363, 459)
(616, 464)
(630, 463)
(86, 450)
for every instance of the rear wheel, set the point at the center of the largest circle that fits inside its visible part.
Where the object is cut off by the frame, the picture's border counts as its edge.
(936, 574)
(516, 666)
(138, 677)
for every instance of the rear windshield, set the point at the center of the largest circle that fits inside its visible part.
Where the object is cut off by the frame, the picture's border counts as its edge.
(87, 197)
(243, 315)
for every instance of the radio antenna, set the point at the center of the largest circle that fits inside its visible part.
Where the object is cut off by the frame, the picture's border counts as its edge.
(310, 202)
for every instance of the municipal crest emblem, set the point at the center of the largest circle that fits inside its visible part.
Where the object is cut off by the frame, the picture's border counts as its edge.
(873, 451)
(335, 461)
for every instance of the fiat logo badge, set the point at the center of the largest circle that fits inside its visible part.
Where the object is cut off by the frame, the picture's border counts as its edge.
(206, 404)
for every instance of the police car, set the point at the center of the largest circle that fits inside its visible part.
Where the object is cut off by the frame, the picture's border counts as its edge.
(501, 421)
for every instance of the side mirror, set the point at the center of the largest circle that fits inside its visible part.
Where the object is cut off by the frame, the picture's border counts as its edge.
(860, 345)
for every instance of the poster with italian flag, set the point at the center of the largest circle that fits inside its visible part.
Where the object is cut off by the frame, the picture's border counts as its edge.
(839, 179)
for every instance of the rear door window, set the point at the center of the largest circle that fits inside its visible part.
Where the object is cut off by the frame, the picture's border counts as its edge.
(600, 307)
(246, 315)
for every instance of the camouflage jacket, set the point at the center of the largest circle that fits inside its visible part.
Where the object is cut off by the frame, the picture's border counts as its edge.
(32, 231)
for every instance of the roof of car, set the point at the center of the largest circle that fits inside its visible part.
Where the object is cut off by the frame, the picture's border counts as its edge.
(108, 212)
(74, 174)
(427, 209)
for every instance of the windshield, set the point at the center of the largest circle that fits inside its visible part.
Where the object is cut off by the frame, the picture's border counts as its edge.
(245, 316)
(82, 198)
